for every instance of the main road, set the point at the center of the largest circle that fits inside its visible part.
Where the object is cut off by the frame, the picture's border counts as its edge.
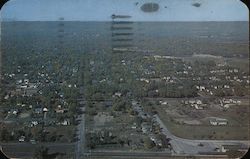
(148, 155)
(80, 144)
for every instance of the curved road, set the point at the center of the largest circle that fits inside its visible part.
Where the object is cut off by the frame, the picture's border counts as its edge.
(191, 147)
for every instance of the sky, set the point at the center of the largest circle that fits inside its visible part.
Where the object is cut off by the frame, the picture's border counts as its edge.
(101, 10)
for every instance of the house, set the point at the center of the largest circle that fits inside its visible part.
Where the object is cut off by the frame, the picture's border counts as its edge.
(236, 70)
(218, 121)
(117, 94)
(238, 102)
(145, 127)
(26, 81)
(23, 86)
(59, 110)
(144, 80)
(11, 75)
(213, 122)
(158, 142)
(34, 123)
(19, 81)
(186, 102)
(14, 111)
(192, 101)
(226, 86)
(222, 122)
(202, 88)
(227, 101)
(198, 101)
(197, 107)
(134, 126)
(153, 138)
(6, 97)
(239, 80)
(163, 103)
(226, 105)
(65, 122)
(21, 139)
(45, 109)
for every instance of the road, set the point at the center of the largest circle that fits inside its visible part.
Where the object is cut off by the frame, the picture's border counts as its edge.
(191, 147)
(80, 135)
(80, 144)
(143, 155)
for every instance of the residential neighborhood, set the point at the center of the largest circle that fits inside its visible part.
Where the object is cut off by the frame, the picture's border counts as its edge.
(124, 89)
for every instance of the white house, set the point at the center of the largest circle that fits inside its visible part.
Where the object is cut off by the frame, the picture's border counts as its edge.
(218, 121)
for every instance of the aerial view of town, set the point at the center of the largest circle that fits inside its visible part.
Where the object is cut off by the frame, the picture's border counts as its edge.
(124, 89)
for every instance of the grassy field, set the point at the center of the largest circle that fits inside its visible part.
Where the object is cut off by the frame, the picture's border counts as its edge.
(204, 131)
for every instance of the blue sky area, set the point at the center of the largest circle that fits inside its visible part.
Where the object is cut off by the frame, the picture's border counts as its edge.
(101, 10)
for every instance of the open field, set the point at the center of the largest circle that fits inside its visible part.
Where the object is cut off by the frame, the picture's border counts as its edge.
(240, 122)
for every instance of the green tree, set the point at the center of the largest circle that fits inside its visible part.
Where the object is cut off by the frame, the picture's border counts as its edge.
(5, 135)
(148, 143)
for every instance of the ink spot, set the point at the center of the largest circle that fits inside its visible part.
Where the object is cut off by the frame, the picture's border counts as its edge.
(196, 4)
(150, 7)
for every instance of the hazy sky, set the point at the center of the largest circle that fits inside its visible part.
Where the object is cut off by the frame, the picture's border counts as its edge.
(101, 10)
